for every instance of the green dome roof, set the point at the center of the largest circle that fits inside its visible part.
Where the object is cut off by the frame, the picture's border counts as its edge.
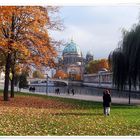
(72, 48)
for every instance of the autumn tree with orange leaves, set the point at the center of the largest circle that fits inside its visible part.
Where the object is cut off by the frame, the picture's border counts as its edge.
(24, 38)
(96, 65)
(61, 74)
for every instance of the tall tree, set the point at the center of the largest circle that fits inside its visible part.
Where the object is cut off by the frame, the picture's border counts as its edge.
(125, 60)
(24, 37)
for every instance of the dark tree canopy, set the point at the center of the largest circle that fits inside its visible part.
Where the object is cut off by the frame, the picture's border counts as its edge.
(125, 60)
(23, 83)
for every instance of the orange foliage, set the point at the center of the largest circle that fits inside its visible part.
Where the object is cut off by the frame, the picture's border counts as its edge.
(103, 63)
(24, 38)
(97, 65)
(78, 77)
(61, 74)
(24, 32)
(34, 102)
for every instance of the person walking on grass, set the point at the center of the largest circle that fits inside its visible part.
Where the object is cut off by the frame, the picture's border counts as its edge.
(107, 102)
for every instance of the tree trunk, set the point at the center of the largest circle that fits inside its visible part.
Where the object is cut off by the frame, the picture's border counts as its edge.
(129, 96)
(13, 74)
(7, 72)
(12, 83)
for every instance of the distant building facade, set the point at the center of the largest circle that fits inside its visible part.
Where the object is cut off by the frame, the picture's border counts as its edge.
(89, 56)
(73, 62)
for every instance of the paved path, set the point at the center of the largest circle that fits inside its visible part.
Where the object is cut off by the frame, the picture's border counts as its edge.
(89, 97)
(86, 97)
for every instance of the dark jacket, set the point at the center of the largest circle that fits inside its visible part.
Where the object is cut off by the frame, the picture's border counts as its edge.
(106, 100)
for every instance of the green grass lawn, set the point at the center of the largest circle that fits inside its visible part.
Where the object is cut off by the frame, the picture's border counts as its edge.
(42, 115)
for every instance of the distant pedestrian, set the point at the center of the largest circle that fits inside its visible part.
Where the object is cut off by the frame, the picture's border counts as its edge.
(32, 89)
(73, 92)
(58, 91)
(68, 91)
(107, 102)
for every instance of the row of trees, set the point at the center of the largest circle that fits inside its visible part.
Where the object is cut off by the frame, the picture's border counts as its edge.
(63, 75)
(25, 40)
(96, 65)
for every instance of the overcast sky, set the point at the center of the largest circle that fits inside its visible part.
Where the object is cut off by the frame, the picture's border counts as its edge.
(96, 28)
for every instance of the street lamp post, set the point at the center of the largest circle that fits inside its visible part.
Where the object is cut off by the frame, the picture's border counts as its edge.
(99, 80)
(46, 83)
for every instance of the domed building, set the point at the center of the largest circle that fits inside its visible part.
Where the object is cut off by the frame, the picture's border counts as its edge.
(73, 61)
(89, 56)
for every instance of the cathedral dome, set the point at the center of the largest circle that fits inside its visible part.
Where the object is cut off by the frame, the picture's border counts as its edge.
(89, 53)
(72, 47)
